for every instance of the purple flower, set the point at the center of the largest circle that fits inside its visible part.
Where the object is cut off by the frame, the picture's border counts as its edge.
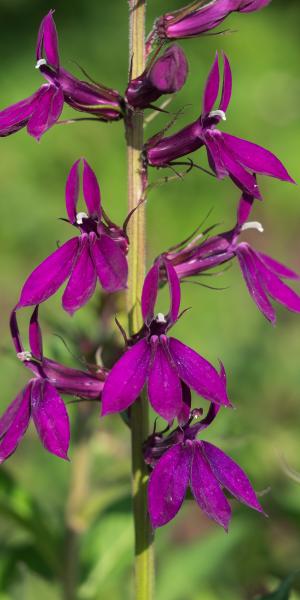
(183, 461)
(43, 109)
(165, 75)
(99, 251)
(227, 154)
(40, 400)
(197, 18)
(164, 363)
(263, 275)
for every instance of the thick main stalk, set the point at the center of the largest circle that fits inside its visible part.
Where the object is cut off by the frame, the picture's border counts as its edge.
(136, 261)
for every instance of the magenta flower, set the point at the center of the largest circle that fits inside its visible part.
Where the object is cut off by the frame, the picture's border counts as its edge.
(263, 275)
(99, 251)
(164, 363)
(227, 154)
(40, 399)
(43, 109)
(199, 17)
(165, 75)
(182, 461)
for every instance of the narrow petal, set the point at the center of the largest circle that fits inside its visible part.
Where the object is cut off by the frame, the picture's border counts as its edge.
(45, 280)
(72, 192)
(164, 387)
(110, 263)
(244, 208)
(206, 489)
(231, 476)
(14, 332)
(47, 41)
(91, 191)
(35, 335)
(254, 284)
(50, 418)
(276, 288)
(175, 293)
(277, 267)
(149, 292)
(47, 111)
(211, 88)
(14, 422)
(82, 281)
(126, 379)
(227, 85)
(256, 158)
(198, 373)
(168, 484)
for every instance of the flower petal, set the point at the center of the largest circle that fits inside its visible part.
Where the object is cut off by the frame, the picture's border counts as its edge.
(244, 180)
(175, 293)
(276, 288)
(72, 192)
(168, 484)
(198, 373)
(14, 422)
(227, 85)
(126, 379)
(47, 110)
(73, 381)
(277, 267)
(231, 476)
(45, 280)
(207, 491)
(16, 116)
(244, 208)
(256, 158)
(149, 292)
(91, 191)
(50, 418)
(254, 283)
(35, 335)
(184, 414)
(164, 387)
(47, 41)
(82, 281)
(110, 263)
(211, 89)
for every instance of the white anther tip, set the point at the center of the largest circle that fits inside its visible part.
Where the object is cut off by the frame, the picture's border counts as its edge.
(160, 318)
(24, 356)
(218, 113)
(80, 216)
(253, 225)
(40, 63)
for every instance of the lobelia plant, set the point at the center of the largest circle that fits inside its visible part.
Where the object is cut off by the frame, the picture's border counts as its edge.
(175, 459)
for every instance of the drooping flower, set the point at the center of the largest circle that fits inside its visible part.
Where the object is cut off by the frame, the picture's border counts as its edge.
(165, 363)
(42, 110)
(262, 274)
(165, 75)
(181, 461)
(99, 251)
(40, 399)
(199, 17)
(227, 154)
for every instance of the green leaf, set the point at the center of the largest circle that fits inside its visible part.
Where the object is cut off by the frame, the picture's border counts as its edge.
(284, 590)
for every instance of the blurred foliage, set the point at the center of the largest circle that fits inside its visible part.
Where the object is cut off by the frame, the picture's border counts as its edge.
(60, 521)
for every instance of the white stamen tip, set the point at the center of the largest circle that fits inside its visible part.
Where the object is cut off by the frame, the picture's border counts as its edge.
(160, 318)
(253, 225)
(40, 63)
(80, 216)
(24, 356)
(218, 113)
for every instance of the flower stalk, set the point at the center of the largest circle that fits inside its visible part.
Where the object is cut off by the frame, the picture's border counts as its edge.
(136, 266)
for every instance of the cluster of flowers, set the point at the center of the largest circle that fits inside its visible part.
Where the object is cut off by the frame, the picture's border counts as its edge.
(169, 368)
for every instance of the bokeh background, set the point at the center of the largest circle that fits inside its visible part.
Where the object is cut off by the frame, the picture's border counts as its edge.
(65, 522)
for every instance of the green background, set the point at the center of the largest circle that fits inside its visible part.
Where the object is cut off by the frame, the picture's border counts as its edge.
(59, 520)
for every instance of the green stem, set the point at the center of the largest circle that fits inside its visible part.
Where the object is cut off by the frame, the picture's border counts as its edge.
(136, 262)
